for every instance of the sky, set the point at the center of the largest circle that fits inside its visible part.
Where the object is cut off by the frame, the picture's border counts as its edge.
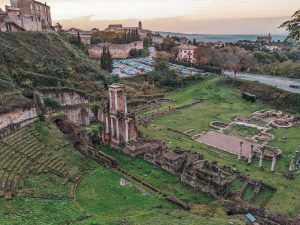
(187, 16)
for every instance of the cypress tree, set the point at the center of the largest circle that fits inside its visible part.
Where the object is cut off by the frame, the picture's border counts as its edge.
(109, 61)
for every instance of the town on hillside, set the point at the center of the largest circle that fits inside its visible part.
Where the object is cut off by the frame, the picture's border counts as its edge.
(127, 125)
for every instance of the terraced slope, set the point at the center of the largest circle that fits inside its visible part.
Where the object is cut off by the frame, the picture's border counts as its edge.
(30, 61)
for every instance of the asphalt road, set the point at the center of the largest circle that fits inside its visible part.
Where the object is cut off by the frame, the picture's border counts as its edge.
(279, 82)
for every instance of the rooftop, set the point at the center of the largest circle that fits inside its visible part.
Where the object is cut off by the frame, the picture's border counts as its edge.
(187, 47)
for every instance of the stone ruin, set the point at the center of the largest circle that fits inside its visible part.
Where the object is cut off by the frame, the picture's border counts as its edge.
(274, 118)
(118, 119)
(120, 129)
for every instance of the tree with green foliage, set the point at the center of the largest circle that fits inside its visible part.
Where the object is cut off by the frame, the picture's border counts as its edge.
(50, 103)
(106, 60)
(95, 109)
(195, 42)
(146, 42)
(162, 75)
(133, 53)
(293, 27)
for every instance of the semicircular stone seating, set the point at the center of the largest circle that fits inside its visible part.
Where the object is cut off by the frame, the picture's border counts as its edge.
(22, 153)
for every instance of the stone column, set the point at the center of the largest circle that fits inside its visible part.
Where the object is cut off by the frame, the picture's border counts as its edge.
(241, 151)
(273, 162)
(261, 159)
(251, 154)
(126, 108)
(116, 100)
(297, 158)
(110, 100)
(292, 164)
(107, 125)
(117, 127)
(127, 131)
(112, 127)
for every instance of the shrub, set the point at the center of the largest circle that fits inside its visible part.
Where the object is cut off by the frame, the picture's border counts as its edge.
(48, 102)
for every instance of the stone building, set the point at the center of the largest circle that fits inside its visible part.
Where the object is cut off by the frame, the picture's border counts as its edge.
(186, 53)
(118, 28)
(28, 15)
(118, 119)
(264, 39)
(120, 51)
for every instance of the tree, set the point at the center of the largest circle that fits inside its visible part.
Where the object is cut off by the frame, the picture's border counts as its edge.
(146, 42)
(293, 27)
(161, 62)
(95, 109)
(134, 53)
(106, 60)
(195, 42)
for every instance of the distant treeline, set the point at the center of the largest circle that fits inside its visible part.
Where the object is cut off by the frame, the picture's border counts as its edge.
(209, 69)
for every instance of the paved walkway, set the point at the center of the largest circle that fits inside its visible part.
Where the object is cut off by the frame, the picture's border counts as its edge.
(227, 143)
(279, 82)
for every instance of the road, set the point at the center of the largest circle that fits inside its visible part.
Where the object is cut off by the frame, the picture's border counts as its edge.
(279, 82)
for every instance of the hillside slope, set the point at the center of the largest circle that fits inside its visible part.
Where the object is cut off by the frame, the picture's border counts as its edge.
(31, 61)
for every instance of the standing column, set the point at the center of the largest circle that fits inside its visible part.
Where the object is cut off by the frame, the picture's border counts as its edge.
(292, 164)
(273, 163)
(251, 154)
(112, 127)
(118, 131)
(127, 131)
(261, 158)
(110, 100)
(107, 125)
(297, 158)
(126, 109)
(116, 100)
(241, 151)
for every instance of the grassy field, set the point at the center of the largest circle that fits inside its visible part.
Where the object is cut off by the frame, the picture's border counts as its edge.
(101, 194)
(100, 199)
(224, 103)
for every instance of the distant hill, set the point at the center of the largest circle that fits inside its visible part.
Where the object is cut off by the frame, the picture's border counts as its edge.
(31, 61)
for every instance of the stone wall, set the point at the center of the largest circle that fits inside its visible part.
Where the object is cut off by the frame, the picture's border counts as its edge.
(116, 50)
(65, 97)
(17, 116)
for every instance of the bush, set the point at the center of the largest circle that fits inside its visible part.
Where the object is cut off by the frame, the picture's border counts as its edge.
(209, 69)
(48, 102)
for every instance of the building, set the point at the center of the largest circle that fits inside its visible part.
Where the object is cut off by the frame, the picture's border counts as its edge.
(186, 53)
(85, 36)
(157, 39)
(27, 15)
(264, 39)
(118, 28)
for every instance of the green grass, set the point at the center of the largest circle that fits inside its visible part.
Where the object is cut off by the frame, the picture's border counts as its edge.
(160, 178)
(236, 185)
(48, 184)
(224, 103)
(59, 146)
(110, 203)
(248, 194)
(28, 211)
(264, 196)
(242, 131)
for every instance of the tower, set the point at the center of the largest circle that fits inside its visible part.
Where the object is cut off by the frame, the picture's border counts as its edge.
(140, 25)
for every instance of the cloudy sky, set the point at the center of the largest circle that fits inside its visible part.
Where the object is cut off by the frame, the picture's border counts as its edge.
(194, 16)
